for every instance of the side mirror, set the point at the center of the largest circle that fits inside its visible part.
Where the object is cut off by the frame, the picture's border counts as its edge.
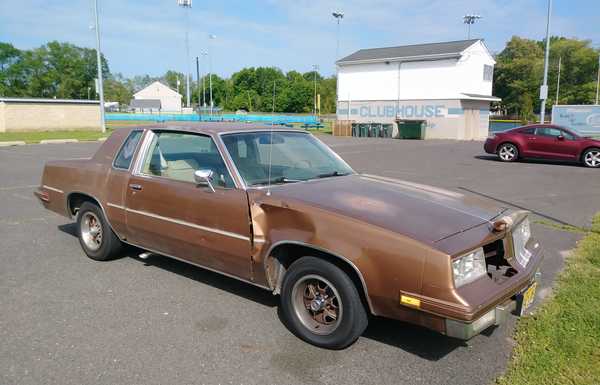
(204, 177)
(560, 137)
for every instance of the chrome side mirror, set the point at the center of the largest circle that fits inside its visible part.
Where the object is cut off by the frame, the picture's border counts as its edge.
(204, 177)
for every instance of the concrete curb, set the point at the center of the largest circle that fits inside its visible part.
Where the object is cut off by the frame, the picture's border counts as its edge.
(12, 143)
(54, 141)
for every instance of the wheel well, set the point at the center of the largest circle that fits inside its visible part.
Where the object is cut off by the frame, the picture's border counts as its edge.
(75, 200)
(584, 150)
(284, 255)
(508, 142)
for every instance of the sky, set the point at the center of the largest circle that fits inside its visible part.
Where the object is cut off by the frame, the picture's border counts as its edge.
(148, 36)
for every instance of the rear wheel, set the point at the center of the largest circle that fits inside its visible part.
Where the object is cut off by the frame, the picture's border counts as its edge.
(591, 157)
(508, 152)
(321, 304)
(95, 235)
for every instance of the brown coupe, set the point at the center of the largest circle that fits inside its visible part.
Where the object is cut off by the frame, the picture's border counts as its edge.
(278, 209)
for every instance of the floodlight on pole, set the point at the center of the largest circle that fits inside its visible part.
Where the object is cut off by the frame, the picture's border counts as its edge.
(544, 87)
(186, 5)
(99, 62)
(469, 20)
(338, 17)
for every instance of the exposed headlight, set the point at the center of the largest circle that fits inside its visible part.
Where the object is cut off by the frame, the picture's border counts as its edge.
(469, 267)
(520, 236)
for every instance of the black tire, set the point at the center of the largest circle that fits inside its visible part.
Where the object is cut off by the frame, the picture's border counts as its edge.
(508, 152)
(109, 246)
(591, 158)
(353, 317)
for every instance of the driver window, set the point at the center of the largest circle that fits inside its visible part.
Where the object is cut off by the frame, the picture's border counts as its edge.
(548, 131)
(176, 155)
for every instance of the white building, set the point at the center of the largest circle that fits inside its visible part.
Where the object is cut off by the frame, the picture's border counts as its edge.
(170, 100)
(446, 85)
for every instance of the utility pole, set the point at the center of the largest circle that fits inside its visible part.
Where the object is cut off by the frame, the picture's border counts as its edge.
(469, 20)
(558, 81)
(544, 87)
(187, 5)
(99, 60)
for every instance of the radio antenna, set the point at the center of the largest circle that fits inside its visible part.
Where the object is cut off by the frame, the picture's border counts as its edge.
(271, 142)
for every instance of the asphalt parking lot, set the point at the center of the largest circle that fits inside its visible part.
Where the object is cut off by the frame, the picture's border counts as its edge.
(66, 319)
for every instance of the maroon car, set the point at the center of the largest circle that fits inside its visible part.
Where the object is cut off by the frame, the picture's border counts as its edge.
(544, 141)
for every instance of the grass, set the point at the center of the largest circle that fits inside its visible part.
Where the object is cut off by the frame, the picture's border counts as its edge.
(560, 343)
(35, 137)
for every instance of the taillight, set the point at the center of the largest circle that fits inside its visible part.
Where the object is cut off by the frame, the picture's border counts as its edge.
(42, 195)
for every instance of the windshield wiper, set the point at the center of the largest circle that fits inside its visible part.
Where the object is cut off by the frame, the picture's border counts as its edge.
(330, 174)
(278, 180)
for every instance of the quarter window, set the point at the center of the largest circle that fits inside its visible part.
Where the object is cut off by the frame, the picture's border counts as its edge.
(125, 155)
(177, 156)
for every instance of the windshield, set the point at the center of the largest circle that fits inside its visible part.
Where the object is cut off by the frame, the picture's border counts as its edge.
(295, 156)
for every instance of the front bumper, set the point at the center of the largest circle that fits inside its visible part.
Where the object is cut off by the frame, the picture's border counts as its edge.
(494, 317)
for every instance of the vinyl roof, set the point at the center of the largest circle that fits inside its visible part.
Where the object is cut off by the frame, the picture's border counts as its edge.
(410, 52)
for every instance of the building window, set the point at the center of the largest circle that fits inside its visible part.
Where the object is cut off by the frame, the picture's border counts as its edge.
(488, 72)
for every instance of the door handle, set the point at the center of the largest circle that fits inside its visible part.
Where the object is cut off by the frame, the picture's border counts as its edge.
(136, 187)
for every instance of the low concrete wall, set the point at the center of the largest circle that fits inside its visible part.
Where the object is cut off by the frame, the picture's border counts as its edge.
(48, 115)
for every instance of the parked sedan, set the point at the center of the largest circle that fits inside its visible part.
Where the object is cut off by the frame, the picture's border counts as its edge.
(544, 141)
(280, 210)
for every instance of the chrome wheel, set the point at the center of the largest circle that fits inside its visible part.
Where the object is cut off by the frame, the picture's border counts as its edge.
(592, 158)
(317, 304)
(508, 152)
(91, 231)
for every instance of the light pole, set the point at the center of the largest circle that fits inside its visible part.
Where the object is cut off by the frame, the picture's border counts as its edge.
(544, 87)
(204, 54)
(198, 85)
(469, 20)
(558, 81)
(315, 69)
(338, 16)
(598, 82)
(187, 5)
(210, 37)
(89, 89)
(99, 60)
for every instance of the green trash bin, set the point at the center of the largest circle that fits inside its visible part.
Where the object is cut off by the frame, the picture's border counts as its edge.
(363, 130)
(375, 130)
(355, 129)
(386, 130)
(411, 129)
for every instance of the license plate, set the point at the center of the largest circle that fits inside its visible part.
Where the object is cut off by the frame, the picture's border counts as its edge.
(528, 297)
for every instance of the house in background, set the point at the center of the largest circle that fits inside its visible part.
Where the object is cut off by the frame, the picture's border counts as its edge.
(168, 99)
(446, 87)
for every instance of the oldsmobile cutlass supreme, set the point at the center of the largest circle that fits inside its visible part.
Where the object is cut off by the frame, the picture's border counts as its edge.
(280, 210)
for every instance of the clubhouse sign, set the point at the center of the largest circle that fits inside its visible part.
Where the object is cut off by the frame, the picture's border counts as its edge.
(393, 111)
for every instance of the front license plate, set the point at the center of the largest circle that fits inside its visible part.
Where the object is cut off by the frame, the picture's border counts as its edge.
(528, 297)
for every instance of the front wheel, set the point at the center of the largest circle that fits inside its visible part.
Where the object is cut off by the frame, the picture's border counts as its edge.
(508, 152)
(321, 304)
(591, 157)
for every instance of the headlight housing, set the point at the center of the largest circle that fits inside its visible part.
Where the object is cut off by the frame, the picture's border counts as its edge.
(520, 236)
(469, 267)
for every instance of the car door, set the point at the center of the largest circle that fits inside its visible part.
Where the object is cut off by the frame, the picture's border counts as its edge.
(547, 143)
(169, 213)
(568, 145)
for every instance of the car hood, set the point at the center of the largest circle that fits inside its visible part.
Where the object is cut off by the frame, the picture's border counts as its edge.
(422, 212)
